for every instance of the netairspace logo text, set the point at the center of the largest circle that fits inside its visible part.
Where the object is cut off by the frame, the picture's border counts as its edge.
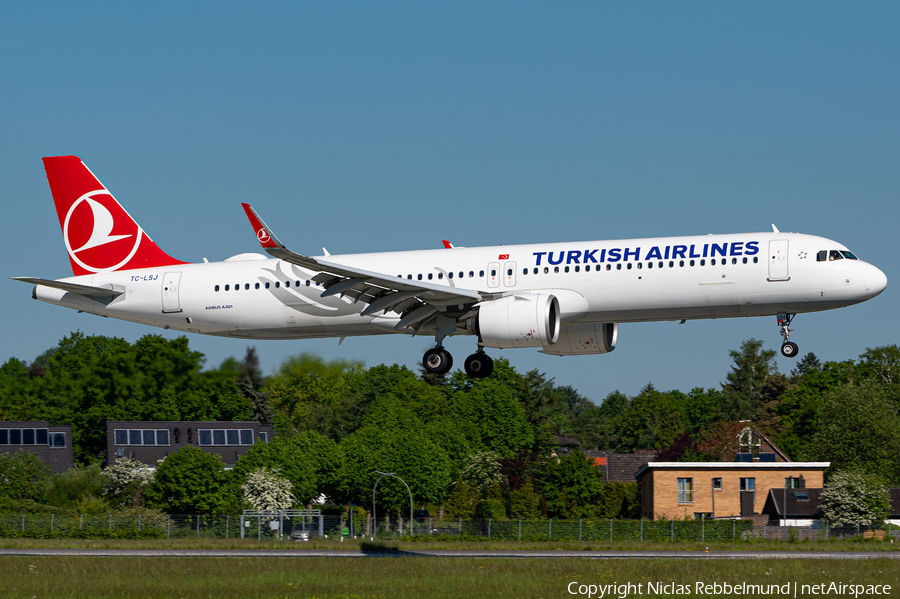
(790, 589)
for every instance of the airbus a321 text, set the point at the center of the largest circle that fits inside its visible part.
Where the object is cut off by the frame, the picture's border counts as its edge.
(564, 298)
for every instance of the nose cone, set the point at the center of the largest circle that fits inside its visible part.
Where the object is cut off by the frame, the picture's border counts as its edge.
(876, 281)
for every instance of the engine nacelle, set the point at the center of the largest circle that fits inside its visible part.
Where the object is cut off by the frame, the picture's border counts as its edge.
(520, 320)
(583, 339)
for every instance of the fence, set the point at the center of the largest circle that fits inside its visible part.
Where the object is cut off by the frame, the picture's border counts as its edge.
(154, 525)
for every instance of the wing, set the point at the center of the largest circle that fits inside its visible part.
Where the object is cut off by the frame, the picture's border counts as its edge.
(417, 302)
(85, 290)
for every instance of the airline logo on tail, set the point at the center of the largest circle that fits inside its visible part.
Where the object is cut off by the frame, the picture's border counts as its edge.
(100, 235)
(92, 215)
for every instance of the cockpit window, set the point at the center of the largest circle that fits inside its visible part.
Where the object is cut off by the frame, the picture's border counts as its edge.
(849, 255)
(822, 256)
(835, 255)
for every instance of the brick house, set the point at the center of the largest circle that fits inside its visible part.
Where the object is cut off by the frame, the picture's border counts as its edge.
(51, 443)
(149, 441)
(684, 490)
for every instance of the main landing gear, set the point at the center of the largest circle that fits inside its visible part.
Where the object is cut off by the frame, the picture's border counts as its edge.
(439, 361)
(789, 349)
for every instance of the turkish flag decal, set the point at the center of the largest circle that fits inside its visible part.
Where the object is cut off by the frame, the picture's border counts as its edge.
(503, 257)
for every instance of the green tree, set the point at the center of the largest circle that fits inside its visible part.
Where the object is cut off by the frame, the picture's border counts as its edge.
(24, 476)
(491, 418)
(853, 497)
(743, 393)
(191, 481)
(290, 458)
(463, 500)
(482, 469)
(573, 487)
(125, 481)
(858, 429)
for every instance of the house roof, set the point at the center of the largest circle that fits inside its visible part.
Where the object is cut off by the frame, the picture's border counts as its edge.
(781, 502)
(620, 467)
(732, 466)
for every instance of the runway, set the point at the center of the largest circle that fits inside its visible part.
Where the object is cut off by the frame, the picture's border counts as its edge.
(498, 554)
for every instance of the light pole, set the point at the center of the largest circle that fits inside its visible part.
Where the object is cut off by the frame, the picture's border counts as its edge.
(383, 474)
(374, 521)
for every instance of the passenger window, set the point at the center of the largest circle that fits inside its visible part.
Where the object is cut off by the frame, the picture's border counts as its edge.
(440, 275)
(745, 260)
(419, 276)
(237, 287)
(277, 284)
(471, 274)
(567, 269)
(493, 273)
(713, 261)
(661, 264)
(597, 268)
(556, 270)
(297, 284)
(508, 272)
(267, 286)
(734, 260)
(535, 270)
(307, 284)
(703, 263)
(217, 287)
(287, 283)
(577, 269)
(640, 265)
(681, 263)
(755, 259)
(480, 273)
(822, 256)
(449, 275)
(227, 287)
(462, 274)
(609, 267)
(649, 265)
(692, 262)
(246, 286)
(671, 264)
(546, 270)
(430, 275)
(629, 266)
(834, 255)
(619, 266)
(524, 271)
(409, 277)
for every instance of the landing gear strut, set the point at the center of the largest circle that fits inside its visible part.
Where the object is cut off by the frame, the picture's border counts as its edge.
(479, 365)
(789, 349)
(437, 361)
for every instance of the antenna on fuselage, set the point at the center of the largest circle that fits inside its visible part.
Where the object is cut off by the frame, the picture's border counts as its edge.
(775, 229)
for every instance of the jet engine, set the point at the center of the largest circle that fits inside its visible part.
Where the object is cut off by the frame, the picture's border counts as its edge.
(582, 339)
(520, 320)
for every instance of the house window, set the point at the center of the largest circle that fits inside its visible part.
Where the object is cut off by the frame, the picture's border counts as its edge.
(801, 496)
(685, 490)
(149, 436)
(717, 484)
(58, 440)
(791, 483)
(231, 436)
(748, 484)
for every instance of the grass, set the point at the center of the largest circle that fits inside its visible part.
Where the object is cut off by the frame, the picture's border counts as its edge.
(450, 544)
(224, 578)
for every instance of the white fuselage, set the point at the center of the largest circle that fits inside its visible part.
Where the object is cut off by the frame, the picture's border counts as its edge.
(596, 282)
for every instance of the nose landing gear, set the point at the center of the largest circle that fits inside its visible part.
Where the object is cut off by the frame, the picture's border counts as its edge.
(789, 349)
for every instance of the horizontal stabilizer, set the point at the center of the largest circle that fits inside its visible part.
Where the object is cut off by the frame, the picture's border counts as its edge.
(85, 290)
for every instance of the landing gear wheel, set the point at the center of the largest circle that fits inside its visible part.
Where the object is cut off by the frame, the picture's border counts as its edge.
(789, 349)
(479, 365)
(437, 361)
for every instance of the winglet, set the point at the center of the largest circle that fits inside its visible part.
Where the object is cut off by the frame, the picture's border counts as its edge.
(264, 234)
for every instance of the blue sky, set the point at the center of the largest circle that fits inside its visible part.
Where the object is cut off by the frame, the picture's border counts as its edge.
(390, 126)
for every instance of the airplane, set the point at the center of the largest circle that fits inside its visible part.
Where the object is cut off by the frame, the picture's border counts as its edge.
(564, 298)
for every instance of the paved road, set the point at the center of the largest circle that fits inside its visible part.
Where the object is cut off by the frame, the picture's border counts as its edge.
(303, 553)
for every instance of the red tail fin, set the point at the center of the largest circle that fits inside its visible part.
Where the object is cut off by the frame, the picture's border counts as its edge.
(100, 235)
